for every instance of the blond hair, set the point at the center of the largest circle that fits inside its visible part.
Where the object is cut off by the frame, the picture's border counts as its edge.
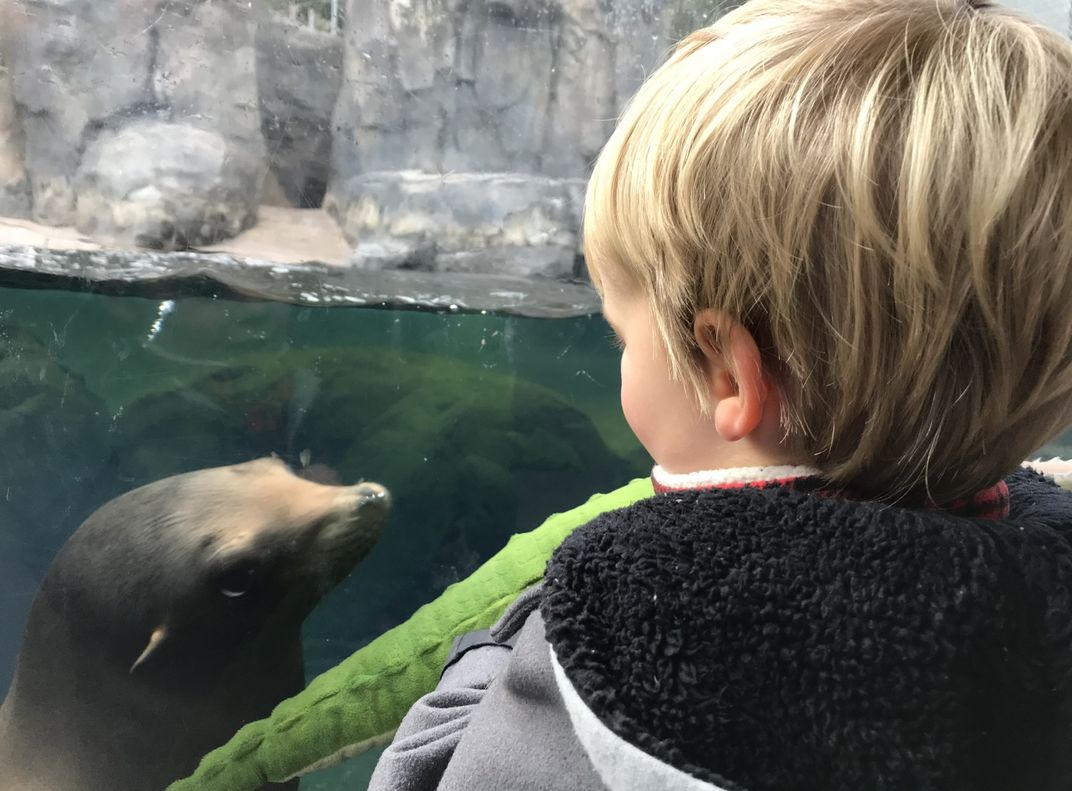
(881, 192)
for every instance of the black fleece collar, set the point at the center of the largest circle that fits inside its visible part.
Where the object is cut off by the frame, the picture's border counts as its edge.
(773, 638)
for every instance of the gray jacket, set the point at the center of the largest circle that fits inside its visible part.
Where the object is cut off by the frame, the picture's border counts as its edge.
(449, 743)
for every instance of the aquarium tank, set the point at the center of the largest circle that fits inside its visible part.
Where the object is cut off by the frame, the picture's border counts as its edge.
(345, 233)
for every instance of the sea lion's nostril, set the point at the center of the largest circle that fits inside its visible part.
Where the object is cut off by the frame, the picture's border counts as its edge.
(371, 494)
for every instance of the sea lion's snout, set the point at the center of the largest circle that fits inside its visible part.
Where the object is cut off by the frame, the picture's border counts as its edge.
(373, 496)
(363, 500)
(360, 513)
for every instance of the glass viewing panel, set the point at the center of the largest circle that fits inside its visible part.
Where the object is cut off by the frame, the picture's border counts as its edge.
(342, 232)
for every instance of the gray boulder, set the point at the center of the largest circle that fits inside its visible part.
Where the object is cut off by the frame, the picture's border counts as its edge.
(95, 81)
(164, 185)
(470, 222)
(206, 65)
(76, 65)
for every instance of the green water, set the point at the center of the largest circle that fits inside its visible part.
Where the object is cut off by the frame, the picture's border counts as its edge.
(481, 426)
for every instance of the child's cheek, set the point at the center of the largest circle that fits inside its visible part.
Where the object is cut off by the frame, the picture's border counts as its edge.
(634, 406)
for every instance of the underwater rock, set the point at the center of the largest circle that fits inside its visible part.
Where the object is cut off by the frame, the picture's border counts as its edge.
(299, 72)
(14, 186)
(52, 473)
(171, 618)
(54, 429)
(470, 222)
(470, 455)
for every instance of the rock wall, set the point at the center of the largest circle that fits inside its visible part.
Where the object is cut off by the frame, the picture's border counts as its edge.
(521, 92)
(141, 119)
(441, 134)
(77, 65)
(299, 73)
(14, 188)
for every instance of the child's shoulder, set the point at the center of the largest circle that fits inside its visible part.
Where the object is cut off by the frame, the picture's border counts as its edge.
(753, 619)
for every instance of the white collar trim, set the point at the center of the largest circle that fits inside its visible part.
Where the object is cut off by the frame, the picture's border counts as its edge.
(727, 477)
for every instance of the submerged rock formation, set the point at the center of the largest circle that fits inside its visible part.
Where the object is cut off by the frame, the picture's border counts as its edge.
(52, 471)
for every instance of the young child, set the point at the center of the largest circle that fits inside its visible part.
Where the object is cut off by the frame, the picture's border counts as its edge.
(834, 238)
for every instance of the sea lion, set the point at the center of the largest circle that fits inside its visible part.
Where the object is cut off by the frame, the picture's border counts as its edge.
(170, 618)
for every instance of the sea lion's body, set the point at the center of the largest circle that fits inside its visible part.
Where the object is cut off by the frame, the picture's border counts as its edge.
(172, 617)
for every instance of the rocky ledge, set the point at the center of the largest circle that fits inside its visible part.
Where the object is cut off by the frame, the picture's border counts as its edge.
(172, 275)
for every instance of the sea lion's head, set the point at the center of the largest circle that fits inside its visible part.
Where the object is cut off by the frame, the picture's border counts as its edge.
(208, 571)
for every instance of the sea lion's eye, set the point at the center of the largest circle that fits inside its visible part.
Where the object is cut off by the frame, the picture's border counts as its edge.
(237, 581)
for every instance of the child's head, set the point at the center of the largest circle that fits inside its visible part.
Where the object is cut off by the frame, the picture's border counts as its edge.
(879, 193)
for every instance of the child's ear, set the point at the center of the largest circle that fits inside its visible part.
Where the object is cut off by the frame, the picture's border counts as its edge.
(737, 385)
